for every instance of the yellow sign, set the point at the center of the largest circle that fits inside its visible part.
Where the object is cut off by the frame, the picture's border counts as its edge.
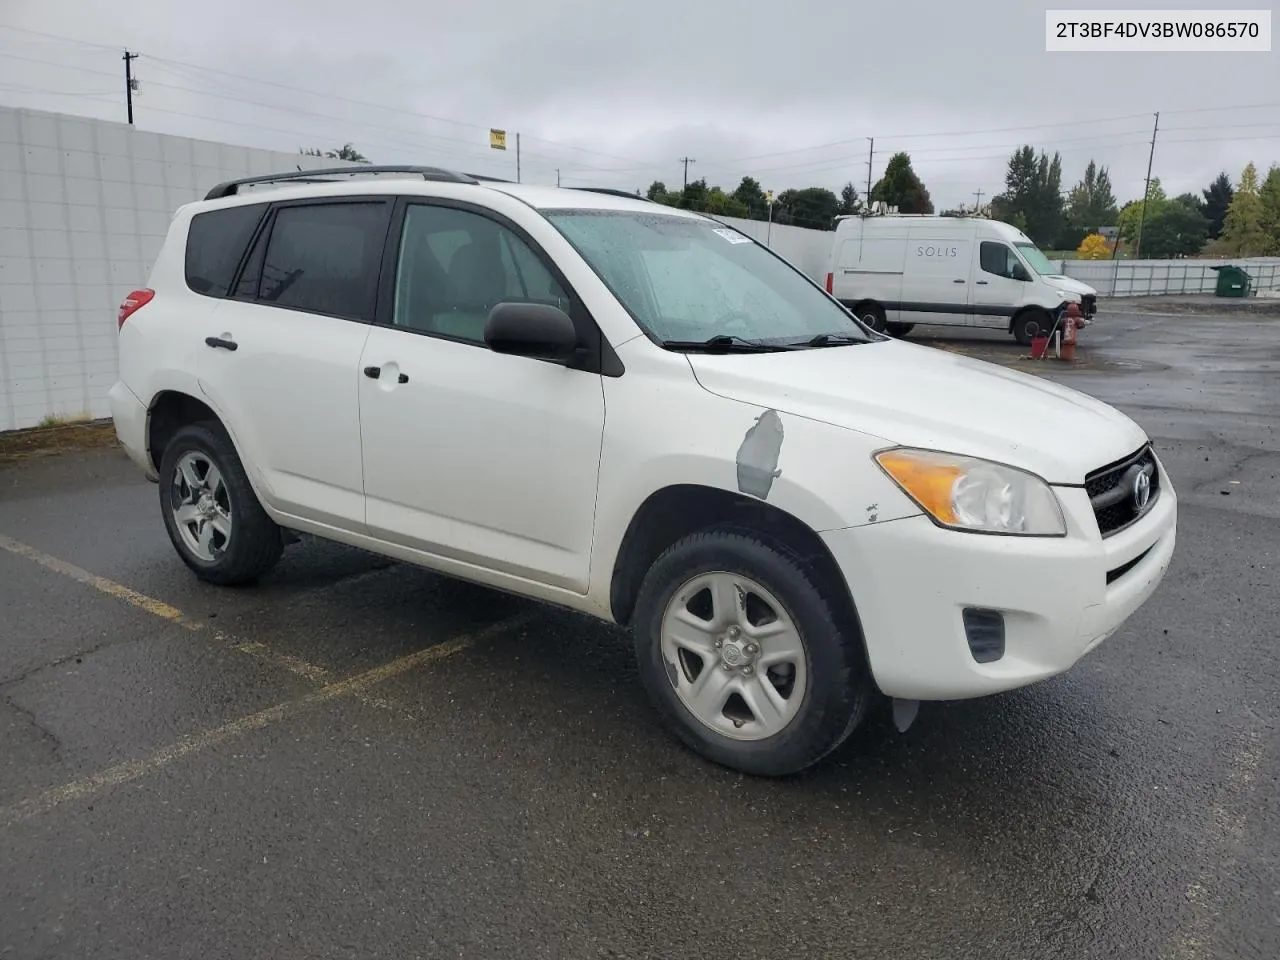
(768, 196)
(498, 139)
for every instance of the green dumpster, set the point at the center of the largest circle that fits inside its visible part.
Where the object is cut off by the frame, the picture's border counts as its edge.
(1233, 282)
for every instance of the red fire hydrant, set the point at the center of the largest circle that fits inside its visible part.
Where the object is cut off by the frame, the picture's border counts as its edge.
(1070, 324)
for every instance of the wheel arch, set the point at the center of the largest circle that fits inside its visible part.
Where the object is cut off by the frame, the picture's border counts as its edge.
(673, 512)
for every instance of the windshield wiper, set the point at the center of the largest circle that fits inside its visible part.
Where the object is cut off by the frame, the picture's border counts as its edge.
(833, 340)
(723, 343)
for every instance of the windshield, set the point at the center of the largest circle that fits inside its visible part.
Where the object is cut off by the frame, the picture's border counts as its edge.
(1039, 262)
(690, 280)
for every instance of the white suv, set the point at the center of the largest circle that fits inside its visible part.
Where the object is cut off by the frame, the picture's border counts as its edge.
(639, 413)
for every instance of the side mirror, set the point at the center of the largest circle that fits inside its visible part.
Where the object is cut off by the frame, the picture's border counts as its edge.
(1020, 273)
(531, 330)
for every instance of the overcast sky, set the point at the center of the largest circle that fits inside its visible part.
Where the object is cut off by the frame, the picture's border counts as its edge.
(614, 93)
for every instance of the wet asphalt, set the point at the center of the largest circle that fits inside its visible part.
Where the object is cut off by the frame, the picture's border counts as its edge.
(219, 775)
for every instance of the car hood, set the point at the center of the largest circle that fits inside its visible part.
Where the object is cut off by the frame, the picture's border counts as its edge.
(1069, 285)
(911, 395)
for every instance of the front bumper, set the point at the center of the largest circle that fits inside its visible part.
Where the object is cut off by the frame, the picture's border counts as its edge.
(912, 581)
(130, 416)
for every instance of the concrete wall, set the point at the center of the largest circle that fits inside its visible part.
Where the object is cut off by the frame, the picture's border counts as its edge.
(84, 207)
(806, 249)
(85, 204)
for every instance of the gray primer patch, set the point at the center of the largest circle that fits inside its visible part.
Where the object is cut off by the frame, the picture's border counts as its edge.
(758, 455)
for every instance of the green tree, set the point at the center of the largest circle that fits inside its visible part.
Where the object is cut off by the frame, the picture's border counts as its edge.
(1242, 231)
(1269, 196)
(1033, 188)
(657, 192)
(1176, 229)
(901, 188)
(750, 194)
(1131, 214)
(812, 207)
(1091, 204)
(344, 152)
(725, 204)
(849, 202)
(1217, 198)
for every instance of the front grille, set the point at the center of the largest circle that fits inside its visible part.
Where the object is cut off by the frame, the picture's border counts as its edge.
(1114, 491)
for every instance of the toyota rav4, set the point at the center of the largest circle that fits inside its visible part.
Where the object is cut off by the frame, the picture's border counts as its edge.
(639, 413)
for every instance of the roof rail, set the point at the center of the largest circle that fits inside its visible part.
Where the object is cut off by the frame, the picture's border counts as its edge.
(232, 187)
(613, 193)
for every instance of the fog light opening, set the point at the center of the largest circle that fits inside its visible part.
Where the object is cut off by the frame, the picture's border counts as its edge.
(984, 630)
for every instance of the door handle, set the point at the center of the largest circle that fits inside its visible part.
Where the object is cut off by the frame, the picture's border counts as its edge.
(222, 342)
(404, 378)
(982, 283)
(959, 281)
(372, 372)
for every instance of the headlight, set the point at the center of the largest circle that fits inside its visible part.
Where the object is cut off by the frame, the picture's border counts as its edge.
(964, 493)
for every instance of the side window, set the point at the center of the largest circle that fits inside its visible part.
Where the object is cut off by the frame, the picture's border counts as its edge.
(998, 259)
(323, 258)
(455, 266)
(215, 244)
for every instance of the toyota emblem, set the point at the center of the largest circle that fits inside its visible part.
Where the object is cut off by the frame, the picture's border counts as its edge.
(1141, 490)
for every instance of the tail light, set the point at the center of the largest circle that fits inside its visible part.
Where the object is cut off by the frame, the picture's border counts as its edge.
(830, 282)
(134, 302)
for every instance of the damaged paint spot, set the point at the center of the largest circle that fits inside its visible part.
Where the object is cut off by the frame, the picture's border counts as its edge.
(671, 672)
(758, 455)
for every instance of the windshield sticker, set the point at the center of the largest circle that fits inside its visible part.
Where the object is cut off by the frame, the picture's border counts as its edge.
(733, 236)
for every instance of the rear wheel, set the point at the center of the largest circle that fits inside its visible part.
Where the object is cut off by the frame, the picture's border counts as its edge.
(744, 657)
(213, 517)
(872, 315)
(1031, 324)
(899, 329)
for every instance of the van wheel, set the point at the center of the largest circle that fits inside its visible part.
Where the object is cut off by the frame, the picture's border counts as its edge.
(212, 515)
(1031, 324)
(899, 329)
(744, 657)
(873, 316)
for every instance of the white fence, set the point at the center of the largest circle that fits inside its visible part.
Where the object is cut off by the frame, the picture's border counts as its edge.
(1148, 278)
(84, 207)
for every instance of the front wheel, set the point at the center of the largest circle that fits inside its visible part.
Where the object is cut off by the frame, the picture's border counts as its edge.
(213, 517)
(744, 657)
(871, 315)
(899, 329)
(1031, 324)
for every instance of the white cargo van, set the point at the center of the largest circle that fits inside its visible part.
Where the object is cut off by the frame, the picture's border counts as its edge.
(897, 270)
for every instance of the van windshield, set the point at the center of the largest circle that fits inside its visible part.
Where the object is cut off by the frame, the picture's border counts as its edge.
(690, 280)
(1039, 262)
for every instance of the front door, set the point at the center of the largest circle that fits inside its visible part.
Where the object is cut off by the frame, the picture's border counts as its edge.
(997, 292)
(481, 458)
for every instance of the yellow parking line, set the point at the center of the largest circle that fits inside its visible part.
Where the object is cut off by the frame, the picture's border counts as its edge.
(151, 605)
(353, 686)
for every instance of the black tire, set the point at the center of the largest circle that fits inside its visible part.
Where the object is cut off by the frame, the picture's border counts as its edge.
(1030, 324)
(872, 314)
(255, 543)
(839, 688)
(899, 329)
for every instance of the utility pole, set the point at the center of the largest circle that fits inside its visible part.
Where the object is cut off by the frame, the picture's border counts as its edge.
(1146, 192)
(977, 206)
(557, 176)
(686, 161)
(128, 81)
(871, 152)
(517, 158)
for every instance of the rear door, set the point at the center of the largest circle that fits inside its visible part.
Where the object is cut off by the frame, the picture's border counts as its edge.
(280, 357)
(935, 283)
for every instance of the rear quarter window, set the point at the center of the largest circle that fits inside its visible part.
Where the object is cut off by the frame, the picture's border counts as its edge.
(216, 240)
